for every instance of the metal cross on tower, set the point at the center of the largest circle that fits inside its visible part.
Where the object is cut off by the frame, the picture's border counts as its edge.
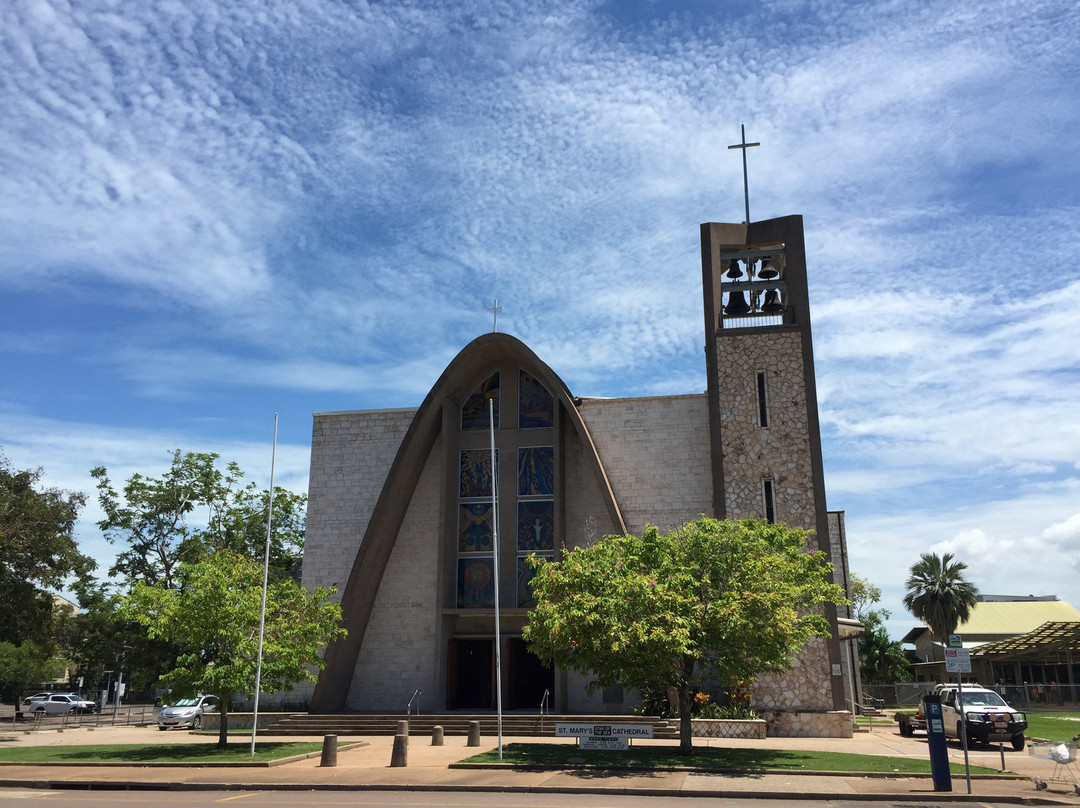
(746, 186)
(495, 308)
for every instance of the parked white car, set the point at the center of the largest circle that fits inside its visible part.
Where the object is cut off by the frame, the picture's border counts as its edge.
(61, 704)
(186, 712)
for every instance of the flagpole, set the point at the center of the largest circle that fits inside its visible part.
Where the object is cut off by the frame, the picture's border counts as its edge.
(266, 577)
(495, 545)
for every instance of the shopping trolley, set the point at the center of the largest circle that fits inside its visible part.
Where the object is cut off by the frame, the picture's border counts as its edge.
(1064, 756)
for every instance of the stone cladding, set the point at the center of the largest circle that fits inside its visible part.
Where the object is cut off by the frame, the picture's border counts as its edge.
(399, 652)
(806, 686)
(586, 515)
(656, 454)
(727, 728)
(780, 451)
(351, 454)
(830, 724)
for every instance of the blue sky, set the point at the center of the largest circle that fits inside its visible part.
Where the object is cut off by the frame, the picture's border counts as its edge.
(214, 211)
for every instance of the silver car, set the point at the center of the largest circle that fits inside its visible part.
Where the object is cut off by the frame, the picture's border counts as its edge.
(187, 712)
(61, 704)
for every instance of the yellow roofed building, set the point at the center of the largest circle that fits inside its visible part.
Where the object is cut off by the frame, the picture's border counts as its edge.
(1026, 646)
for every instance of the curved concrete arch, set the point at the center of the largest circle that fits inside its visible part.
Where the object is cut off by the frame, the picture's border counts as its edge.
(476, 360)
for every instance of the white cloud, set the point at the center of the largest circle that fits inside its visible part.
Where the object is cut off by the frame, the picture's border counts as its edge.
(204, 208)
(1021, 543)
(67, 451)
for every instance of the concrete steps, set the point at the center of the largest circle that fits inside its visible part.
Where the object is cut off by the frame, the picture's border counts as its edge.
(344, 724)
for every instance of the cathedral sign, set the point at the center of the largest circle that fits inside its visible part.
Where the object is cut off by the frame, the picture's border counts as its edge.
(603, 736)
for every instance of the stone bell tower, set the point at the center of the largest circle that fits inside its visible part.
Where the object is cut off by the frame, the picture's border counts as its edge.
(763, 416)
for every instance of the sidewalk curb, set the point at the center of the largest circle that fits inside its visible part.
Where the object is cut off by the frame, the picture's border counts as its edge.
(92, 785)
(541, 767)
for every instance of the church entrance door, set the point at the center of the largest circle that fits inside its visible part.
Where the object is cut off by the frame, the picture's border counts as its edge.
(527, 677)
(470, 675)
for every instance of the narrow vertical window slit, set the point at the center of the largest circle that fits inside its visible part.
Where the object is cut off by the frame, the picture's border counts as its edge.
(763, 401)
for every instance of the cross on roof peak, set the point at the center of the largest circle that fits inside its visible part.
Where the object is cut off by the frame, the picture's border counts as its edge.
(495, 308)
(746, 186)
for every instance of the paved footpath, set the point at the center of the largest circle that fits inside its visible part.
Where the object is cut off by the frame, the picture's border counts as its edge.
(367, 766)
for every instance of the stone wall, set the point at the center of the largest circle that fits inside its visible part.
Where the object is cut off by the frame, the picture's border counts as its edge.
(399, 652)
(656, 453)
(586, 516)
(780, 451)
(806, 686)
(796, 724)
(351, 453)
(727, 728)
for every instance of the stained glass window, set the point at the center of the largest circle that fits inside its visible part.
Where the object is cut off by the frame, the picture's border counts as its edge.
(536, 408)
(535, 526)
(525, 574)
(475, 527)
(475, 583)
(474, 413)
(536, 471)
(527, 505)
(476, 473)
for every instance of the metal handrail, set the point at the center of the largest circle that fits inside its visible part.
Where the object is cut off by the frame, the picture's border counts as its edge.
(408, 708)
(543, 702)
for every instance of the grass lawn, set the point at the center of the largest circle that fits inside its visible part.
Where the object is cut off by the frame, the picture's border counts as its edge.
(193, 754)
(1053, 726)
(710, 759)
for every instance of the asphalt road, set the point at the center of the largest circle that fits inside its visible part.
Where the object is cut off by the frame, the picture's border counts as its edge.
(406, 799)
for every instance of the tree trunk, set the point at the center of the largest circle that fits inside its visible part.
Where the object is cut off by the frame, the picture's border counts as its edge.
(686, 704)
(223, 725)
(686, 729)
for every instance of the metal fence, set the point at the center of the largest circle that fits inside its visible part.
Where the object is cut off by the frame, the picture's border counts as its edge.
(21, 719)
(1028, 697)
(899, 694)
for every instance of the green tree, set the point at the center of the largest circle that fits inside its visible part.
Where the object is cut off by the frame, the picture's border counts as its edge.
(214, 619)
(865, 594)
(190, 512)
(734, 598)
(938, 594)
(95, 638)
(881, 659)
(24, 667)
(38, 553)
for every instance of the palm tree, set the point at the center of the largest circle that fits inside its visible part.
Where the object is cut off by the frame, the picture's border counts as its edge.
(882, 661)
(938, 594)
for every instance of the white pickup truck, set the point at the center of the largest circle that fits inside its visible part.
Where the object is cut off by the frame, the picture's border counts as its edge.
(989, 717)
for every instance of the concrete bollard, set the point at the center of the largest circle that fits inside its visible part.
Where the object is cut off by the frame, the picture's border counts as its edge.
(329, 751)
(474, 733)
(436, 735)
(403, 728)
(400, 755)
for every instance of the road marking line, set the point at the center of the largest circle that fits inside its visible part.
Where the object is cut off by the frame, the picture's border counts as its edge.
(241, 796)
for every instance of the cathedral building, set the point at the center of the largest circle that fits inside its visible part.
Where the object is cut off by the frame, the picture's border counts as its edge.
(400, 514)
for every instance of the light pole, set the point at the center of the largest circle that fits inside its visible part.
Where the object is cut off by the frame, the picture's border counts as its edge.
(265, 584)
(120, 682)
